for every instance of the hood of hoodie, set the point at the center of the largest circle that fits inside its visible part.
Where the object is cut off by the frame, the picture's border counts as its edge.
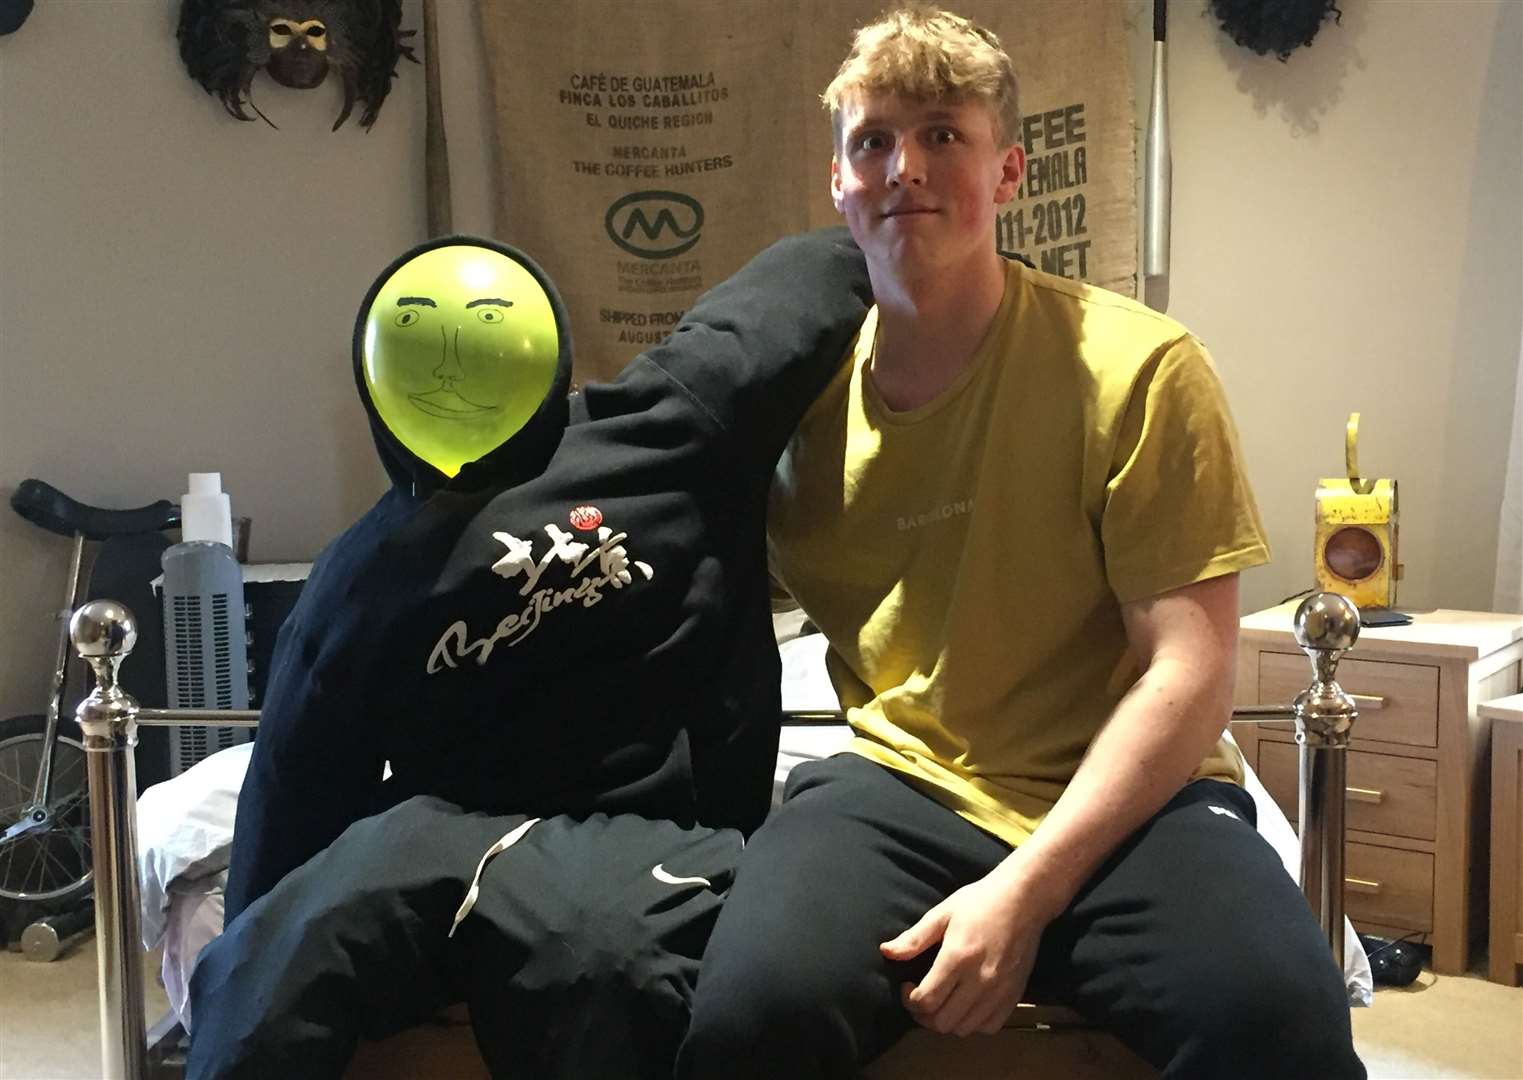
(516, 459)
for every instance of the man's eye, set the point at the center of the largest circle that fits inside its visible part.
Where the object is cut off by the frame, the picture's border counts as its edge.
(943, 136)
(871, 142)
(407, 318)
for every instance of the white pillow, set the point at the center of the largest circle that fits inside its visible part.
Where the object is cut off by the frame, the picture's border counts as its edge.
(806, 686)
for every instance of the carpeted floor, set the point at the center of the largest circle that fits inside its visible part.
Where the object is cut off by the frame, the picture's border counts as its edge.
(1453, 1027)
(50, 1014)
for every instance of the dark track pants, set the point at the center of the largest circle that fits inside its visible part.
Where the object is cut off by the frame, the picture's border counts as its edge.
(578, 958)
(1191, 943)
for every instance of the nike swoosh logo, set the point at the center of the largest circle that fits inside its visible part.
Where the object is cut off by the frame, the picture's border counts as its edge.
(659, 873)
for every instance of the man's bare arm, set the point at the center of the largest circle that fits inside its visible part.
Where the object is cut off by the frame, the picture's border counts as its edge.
(1185, 641)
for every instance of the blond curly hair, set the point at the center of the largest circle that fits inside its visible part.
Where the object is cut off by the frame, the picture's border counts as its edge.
(923, 53)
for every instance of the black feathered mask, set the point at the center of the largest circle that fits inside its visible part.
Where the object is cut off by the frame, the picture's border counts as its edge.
(12, 14)
(1277, 26)
(225, 43)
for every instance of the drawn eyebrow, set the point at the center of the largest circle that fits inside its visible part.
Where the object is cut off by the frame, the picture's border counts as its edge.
(489, 300)
(415, 301)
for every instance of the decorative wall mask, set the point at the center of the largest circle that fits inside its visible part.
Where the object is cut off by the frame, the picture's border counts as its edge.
(12, 14)
(225, 43)
(1274, 26)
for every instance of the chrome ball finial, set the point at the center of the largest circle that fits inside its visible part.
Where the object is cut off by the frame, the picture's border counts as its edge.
(104, 632)
(103, 629)
(1327, 622)
(1327, 625)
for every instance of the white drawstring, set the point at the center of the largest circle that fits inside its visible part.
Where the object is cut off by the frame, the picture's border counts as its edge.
(496, 849)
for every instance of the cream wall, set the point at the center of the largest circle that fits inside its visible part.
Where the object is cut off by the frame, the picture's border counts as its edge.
(1348, 235)
(177, 289)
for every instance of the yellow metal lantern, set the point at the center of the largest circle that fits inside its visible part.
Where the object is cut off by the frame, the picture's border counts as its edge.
(1355, 548)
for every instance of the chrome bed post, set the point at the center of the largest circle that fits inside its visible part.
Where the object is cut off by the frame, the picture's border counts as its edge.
(104, 633)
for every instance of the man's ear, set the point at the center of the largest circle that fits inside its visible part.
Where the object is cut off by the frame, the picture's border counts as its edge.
(835, 183)
(1011, 170)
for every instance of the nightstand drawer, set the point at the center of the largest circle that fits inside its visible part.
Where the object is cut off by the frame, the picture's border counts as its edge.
(1397, 796)
(1398, 703)
(1423, 688)
(1388, 887)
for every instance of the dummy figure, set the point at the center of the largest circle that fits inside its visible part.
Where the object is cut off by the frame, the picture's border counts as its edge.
(555, 628)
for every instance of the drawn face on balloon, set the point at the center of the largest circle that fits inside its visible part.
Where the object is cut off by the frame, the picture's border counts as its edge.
(460, 349)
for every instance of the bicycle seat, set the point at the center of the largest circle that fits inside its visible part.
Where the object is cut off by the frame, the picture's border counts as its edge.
(44, 505)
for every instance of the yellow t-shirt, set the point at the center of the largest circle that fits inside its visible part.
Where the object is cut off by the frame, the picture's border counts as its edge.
(967, 559)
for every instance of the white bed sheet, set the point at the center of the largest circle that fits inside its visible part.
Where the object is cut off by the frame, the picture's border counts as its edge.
(195, 917)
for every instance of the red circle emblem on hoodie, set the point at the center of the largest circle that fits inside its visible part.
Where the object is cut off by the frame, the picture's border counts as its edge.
(586, 518)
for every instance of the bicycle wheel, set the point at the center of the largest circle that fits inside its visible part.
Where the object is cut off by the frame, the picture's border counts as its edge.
(49, 865)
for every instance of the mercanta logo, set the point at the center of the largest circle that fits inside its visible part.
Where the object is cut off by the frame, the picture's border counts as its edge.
(655, 224)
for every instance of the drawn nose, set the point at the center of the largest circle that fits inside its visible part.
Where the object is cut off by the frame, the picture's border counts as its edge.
(449, 369)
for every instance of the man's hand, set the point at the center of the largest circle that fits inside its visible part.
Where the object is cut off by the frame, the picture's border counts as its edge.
(988, 945)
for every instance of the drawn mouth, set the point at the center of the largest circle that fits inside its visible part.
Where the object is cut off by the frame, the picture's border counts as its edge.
(446, 404)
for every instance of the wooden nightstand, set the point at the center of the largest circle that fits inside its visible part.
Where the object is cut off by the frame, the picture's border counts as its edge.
(1506, 718)
(1416, 856)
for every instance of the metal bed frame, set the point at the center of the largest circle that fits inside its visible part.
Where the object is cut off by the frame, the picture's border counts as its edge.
(104, 632)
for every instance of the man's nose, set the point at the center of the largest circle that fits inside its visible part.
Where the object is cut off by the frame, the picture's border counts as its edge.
(906, 165)
(449, 368)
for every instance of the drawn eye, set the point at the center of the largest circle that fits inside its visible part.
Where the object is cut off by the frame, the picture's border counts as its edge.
(490, 314)
(407, 317)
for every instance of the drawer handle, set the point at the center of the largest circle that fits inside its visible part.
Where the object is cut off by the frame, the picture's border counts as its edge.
(1354, 884)
(1369, 701)
(1366, 795)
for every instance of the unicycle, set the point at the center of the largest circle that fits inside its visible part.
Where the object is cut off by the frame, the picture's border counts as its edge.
(45, 862)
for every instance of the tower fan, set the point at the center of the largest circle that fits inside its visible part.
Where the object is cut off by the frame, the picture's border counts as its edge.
(205, 648)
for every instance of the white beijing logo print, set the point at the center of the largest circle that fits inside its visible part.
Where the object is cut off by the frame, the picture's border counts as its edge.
(612, 571)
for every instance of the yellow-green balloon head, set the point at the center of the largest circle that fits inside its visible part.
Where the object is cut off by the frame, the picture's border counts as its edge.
(460, 343)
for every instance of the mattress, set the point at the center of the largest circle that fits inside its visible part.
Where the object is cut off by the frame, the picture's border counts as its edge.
(185, 831)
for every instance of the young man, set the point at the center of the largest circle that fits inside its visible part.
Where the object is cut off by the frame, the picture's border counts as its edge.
(1018, 515)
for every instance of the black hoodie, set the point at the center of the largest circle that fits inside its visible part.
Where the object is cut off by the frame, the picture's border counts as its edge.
(576, 622)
